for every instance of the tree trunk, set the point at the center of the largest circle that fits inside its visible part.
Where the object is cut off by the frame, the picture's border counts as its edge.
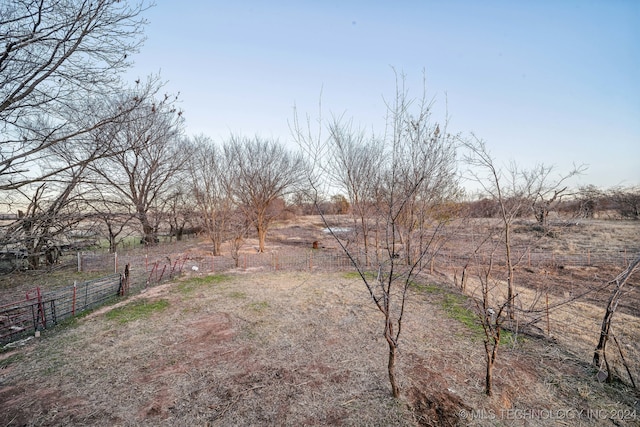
(391, 367)
(113, 243)
(365, 241)
(612, 305)
(393, 350)
(492, 354)
(149, 235)
(489, 376)
(262, 235)
(34, 261)
(510, 290)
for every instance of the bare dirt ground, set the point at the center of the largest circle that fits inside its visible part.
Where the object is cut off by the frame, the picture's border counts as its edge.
(303, 348)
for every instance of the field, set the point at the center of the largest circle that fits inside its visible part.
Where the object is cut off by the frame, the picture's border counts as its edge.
(306, 348)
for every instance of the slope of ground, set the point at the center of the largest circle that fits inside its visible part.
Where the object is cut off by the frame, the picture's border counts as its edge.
(290, 349)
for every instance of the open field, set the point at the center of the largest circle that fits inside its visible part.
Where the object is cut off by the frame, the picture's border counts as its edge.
(253, 347)
(287, 349)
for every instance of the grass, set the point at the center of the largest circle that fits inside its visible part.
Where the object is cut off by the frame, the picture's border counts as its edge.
(456, 307)
(356, 275)
(237, 295)
(141, 309)
(192, 284)
(72, 321)
(259, 306)
(278, 354)
(10, 359)
(426, 288)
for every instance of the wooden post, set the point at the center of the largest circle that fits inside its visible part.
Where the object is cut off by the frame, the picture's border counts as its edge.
(43, 319)
(115, 262)
(79, 262)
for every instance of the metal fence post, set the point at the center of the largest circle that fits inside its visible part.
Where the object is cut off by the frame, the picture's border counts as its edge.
(73, 302)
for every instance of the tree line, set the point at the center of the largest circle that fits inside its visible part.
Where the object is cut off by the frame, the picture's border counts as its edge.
(85, 155)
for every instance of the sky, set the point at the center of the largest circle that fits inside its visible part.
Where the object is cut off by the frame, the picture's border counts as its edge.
(553, 82)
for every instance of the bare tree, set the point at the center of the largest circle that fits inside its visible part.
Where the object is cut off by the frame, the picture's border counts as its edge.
(490, 313)
(53, 208)
(260, 172)
(589, 199)
(513, 189)
(179, 210)
(419, 157)
(548, 192)
(236, 231)
(212, 194)
(354, 165)
(600, 353)
(113, 216)
(626, 201)
(144, 157)
(58, 57)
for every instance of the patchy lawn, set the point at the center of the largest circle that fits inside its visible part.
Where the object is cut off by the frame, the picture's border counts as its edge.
(291, 349)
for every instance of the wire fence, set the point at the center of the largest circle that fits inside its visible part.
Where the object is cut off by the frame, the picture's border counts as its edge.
(147, 269)
(41, 310)
(124, 273)
(575, 324)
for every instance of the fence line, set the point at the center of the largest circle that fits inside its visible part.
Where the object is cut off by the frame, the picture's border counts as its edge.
(41, 310)
(147, 269)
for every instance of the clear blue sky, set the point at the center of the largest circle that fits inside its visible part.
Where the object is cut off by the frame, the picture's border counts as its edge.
(556, 82)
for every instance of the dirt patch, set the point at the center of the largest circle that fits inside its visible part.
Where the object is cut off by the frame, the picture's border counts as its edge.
(430, 398)
(213, 329)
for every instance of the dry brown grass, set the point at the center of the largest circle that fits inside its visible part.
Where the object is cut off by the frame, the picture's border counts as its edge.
(287, 349)
(306, 349)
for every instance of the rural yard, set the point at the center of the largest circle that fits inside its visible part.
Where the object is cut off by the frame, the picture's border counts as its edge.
(257, 347)
(253, 214)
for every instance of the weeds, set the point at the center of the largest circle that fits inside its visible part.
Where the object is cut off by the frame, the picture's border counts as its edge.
(141, 309)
